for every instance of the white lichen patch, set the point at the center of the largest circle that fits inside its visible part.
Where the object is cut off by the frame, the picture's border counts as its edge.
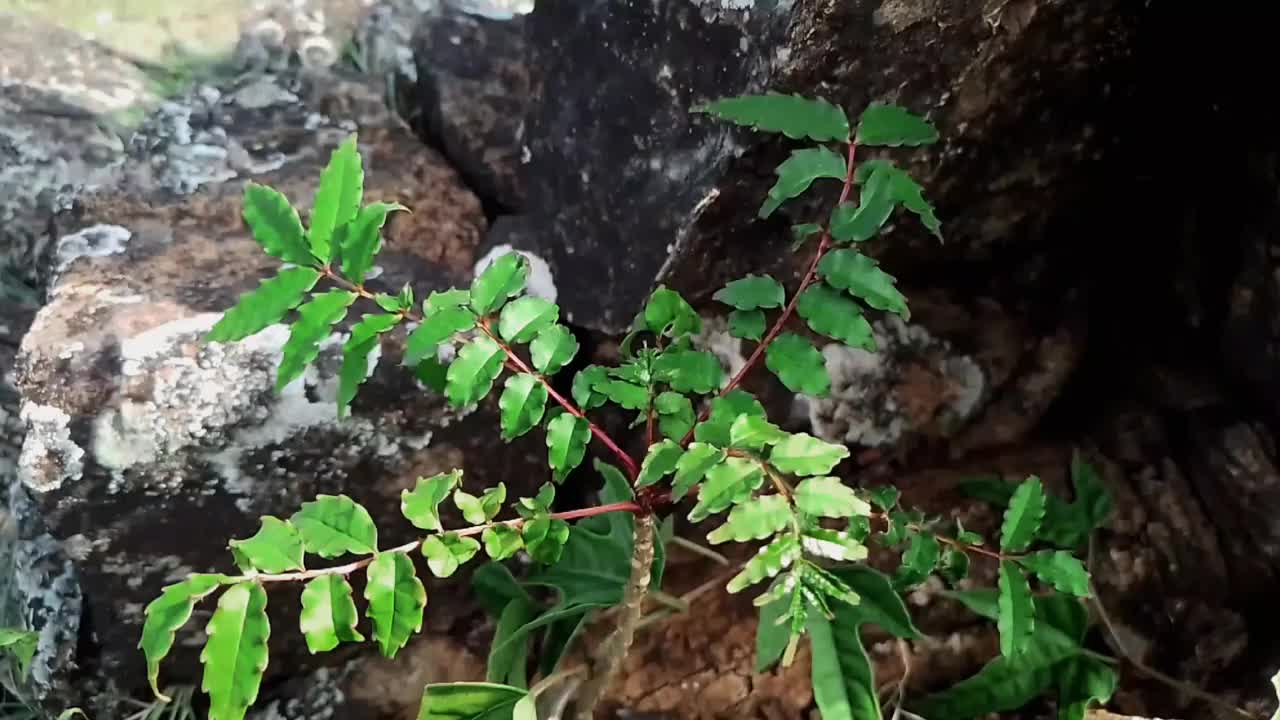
(541, 282)
(715, 338)
(49, 597)
(94, 241)
(49, 457)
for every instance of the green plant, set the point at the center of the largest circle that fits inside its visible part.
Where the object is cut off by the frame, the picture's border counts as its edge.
(704, 437)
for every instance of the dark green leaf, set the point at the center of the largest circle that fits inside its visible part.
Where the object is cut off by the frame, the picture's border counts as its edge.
(1022, 518)
(545, 539)
(802, 232)
(659, 461)
(333, 525)
(675, 414)
(894, 126)
(584, 382)
(843, 681)
(502, 279)
(794, 116)
(1017, 613)
(880, 604)
(804, 454)
(494, 587)
(905, 190)
(860, 275)
(328, 614)
(876, 203)
(755, 519)
(695, 371)
(918, 562)
(432, 373)
(836, 315)
(522, 403)
(725, 411)
(523, 318)
(752, 292)
(666, 313)
(552, 348)
(567, 438)
(772, 636)
(337, 198)
(275, 224)
(422, 504)
(955, 566)
(471, 375)
(1093, 502)
(315, 322)
(275, 548)
(1060, 569)
(693, 466)
(266, 305)
(355, 356)
(362, 239)
(798, 172)
(1081, 681)
(396, 598)
(798, 364)
(435, 329)
(726, 484)
(747, 324)
(508, 660)
(166, 614)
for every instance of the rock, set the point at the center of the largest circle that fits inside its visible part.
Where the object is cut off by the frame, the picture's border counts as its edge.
(473, 88)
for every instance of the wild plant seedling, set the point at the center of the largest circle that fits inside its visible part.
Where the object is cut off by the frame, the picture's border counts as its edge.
(706, 439)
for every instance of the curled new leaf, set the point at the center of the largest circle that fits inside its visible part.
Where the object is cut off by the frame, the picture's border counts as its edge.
(422, 504)
(396, 599)
(446, 553)
(235, 655)
(480, 510)
(264, 306)
(165, 615)
(333, 525)
(545, 538)
(798, 364)
(328, 613)
(501, 541)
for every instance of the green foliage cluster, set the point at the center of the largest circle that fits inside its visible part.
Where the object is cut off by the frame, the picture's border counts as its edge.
(708, 443)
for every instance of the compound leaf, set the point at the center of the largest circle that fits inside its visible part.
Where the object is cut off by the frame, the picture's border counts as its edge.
(523, 318)
(275, 224)
(333, 525)
(752, 292)
(328, 613)
(798, 172)
(266, 305)
(828, 497)
(522, 403)
(755, 519)
(316, 320)
(861, 276)
(567, 437)
(804, 454)
(275, 548)
(798, 364)
(166, 614)
(472, 373)
(235, 655)
(836, 315)
(794, 116)
(337, 198)
(361, 239)
(1022, 517)
(552, 348)
(396, 598)
(421, 506)
(502, 279)
(894, 126)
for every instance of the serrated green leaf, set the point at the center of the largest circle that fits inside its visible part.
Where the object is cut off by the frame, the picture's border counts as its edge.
(1082, 681)
(501, 541)
(794, 116)
(859, 274)
(836, 315)
(804, 454)
(755, 519)
(884, 497)
(503, 279)
(355, 356)
(893, 126)
(337, 198)
(421, 506)
(1023, 516)
(275, 548)
(829, 497)
(166, 614)
(797, 173)
(333, 525)
(275, 224)
(567, 438)
(522, 403)
(675, 414)
(507, 660)
(471, 374)
(903, 189)
(1059, 568)
(552, 349)
(315, 322)
(523, 318)
(471, 701)
(266, 305)
(798, 364)
(659, 461)
(725, 411)
(667, 313)
(919, 561)
(396, 598)
(235, 655)
(445, 553)
(480, 510)
(693, 466)
(361, 239)
(752, 292)
(441, 299)
(695, 371)
(753, 432)
(1017, 613)
(876, 203)
(390, 303)
(625, 394)
(771, 559)
(584, 382)
(435, 329)
(747, 324)
(726, 484)
(545, 538)
(328, 614)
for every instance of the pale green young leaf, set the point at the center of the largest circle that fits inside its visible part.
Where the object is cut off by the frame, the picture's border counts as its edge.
(1059, 568)
(804, 454)
(523, 318)
(471, 374)
(893, 126)
(480, 510)
(235, 655)
(876, 203)
(446, 553)
(545, 539)
(828, 497)
(328, 614)
(471, 701)
(725, 411)
(798, 364)
(794, 116)
(553, 347)
(20, 645)
(755, 519)
(266, 305)
(166, 614)
(361, 239)
(666, 313)
(772, 558)
(521, 404)
(435, 329)
(695, 371)
(659, 462)
(315, 322)
(798, 172)
(275, 224)
(334, 525)
(501, 541)
(1023, 516)
(390, 303)
(509, 651)
(1017, 612)
(693, 466)
(421, 505)
(355, 355)
(726, 484)
(504, 278)
(275, 548)
(675, 414)
(584, 383)
(396, 598)
(747, 324)
(753, 432)
(567, 438)
(860, 275)
(836, 315)
(752, 292)
(337, 198)
(838, 545)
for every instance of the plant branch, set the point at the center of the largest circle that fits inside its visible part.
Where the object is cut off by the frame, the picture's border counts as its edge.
(347, 569)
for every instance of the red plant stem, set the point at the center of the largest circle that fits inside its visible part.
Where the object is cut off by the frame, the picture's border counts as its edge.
(351, 567)
(824, 244)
